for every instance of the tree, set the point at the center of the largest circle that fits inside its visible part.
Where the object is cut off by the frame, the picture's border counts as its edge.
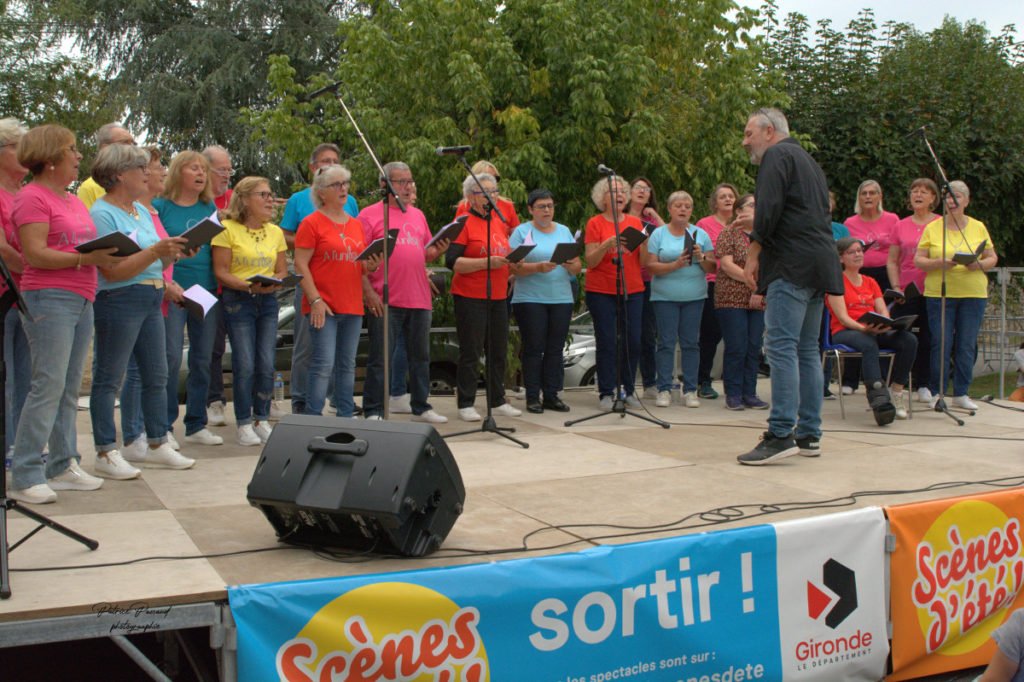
(544, 89)
(856, 94)
(191, 66)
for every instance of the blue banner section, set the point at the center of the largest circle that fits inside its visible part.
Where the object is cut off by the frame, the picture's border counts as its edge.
(701, 608)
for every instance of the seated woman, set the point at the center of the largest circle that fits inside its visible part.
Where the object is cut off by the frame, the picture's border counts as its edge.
(250, 245)
(863, 295)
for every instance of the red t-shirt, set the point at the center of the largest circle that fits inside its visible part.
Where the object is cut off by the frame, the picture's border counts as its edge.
(507, 208)
(336, 272)
(223, 200)
(859, 300)
(601, 276)
(473, 236)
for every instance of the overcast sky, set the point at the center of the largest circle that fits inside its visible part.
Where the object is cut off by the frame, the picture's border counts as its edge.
(925, 15)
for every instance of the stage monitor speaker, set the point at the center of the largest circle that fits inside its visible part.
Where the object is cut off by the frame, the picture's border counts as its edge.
(375, 486)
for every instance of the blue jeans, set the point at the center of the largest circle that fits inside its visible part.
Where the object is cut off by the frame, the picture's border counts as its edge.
(400, 367)
(302, 353)
(543, 327)
(59, 337)
(18, 359)
(334, 352)
(132, 424)
(742, 330)
(648, 338)
(792, 322)
(678, 320)
(602, 310)
(963, 322)
(128, 323)
(904, 343)
(251, 321)
(412, 324)
(201, 335)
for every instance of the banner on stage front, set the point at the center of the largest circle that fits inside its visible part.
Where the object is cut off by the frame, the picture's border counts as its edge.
(957, 571)
(699, 607)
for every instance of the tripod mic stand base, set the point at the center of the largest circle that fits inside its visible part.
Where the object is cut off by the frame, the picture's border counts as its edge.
(940, 406)
(490, 426)
(619, 408)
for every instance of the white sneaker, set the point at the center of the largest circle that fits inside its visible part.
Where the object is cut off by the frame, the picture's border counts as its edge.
(691, 400)
(168, 458)
(401, 404)
(846, 390)
(134, 451)
(73, 478)
(276, 411)
(606, 403)
(215, 414)
(924, 395)
(652, 392)
(899, 401)
(174, 441)
(469, 414)
(430, 417)
(664, 398)
(35, 494)
(964, 402)
(632, 401)
(506, 410)
(262, 429)
(247, 436)
(201, 437)
(112, 465)
(374, 418)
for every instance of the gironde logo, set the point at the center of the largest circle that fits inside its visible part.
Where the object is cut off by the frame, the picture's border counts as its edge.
(842, 582)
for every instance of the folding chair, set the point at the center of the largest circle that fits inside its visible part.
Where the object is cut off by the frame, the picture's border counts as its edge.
(839, 352)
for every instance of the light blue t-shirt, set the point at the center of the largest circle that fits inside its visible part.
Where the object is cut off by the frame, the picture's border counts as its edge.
(300, 205)
(542, 287)
(839, 231)
(685, 284)
(176, 219)
(109, 218)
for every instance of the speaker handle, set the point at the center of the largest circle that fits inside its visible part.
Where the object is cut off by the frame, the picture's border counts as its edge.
(320, 444)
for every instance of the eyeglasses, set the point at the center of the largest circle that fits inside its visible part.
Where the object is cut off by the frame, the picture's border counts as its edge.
(339, 185)
(544, 207)
(491, 192)
(403, 182)
(224, 173)
(642, 189)
(266, 196)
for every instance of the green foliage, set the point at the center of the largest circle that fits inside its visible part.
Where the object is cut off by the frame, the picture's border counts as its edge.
(191, 66)
(856, 94)
(39, 85)
(545, 89)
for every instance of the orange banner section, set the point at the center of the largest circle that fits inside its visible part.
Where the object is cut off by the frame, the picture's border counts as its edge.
(956, 574)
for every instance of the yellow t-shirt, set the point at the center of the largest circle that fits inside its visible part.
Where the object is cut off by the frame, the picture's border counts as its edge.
(89, 191)
(960, 282)
(253, 252)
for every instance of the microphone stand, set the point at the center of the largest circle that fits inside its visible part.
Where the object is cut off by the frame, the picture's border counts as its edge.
(488, 425)
(388, 191)
(7, 300)
(619, 399)
(944, 191)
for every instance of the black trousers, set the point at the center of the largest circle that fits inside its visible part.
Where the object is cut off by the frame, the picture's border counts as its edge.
(475, 342)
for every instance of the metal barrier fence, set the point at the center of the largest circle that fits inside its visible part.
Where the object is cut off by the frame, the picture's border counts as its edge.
(1003, 327)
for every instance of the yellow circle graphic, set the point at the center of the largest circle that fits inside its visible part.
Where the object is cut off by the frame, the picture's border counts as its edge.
(396, 631)
(969, 564)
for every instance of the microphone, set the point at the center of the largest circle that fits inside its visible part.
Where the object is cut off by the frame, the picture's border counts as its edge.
(916, 131)
(330, 88)
(604, 170)
(461, 149)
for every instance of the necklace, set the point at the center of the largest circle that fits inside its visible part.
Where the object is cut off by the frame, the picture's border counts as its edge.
(258, 235)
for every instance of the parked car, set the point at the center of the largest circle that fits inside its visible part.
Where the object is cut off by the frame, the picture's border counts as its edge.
(579, 358)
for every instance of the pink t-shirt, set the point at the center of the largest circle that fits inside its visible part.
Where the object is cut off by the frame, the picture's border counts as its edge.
(878, 231)
(70, 225)
(906, 235)
(711, 225)
(10, 234)
(408, 286)
(169, 270)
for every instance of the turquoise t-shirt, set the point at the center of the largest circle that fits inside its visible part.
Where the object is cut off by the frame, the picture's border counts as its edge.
(684, 284)
(542, 287)
(300, 205)
(176, 219)
(109, 218)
